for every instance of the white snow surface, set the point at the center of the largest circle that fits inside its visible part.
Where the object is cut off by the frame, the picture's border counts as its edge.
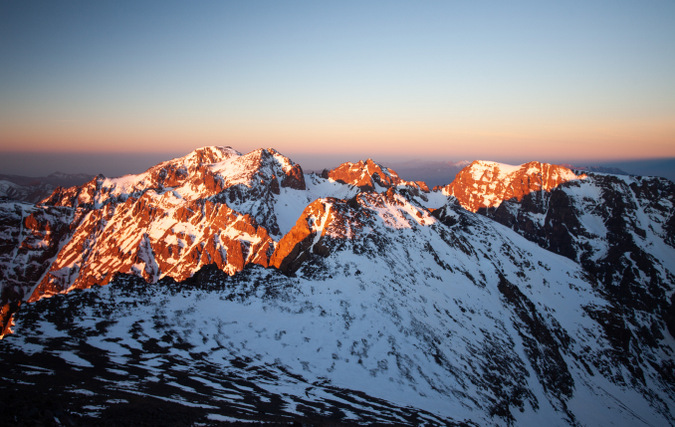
(398, 326)
(290, 203)
(404, 308)
(481, 167)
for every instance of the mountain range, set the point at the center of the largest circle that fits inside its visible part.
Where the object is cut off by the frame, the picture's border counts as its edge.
(240, 288)
(34, 189)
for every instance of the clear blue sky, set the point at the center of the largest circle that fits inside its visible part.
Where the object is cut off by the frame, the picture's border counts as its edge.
(499, 80)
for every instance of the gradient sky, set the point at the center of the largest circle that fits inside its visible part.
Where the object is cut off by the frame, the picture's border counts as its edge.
(509, 81)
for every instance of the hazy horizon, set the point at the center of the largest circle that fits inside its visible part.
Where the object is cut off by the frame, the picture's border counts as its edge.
(40, 164)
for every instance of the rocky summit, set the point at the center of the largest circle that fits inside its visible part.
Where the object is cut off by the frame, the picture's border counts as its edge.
(239, 288)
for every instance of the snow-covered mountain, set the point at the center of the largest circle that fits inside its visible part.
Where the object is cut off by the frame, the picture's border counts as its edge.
(370, 176)
(240, 288)
(484, 184)
(621, 230)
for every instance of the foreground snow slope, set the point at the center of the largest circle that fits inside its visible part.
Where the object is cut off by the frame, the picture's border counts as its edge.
(455, 316)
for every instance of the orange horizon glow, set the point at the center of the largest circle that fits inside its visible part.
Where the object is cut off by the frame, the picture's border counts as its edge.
(602, 141)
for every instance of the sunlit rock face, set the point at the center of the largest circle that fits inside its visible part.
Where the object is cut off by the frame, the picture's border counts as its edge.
(369, 176)
(330, 223)
(172, 219)
(212, 206)
(485, 184)
(515, 295)
(155, 237)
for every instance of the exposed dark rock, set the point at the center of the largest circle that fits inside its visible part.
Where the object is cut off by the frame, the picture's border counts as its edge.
(542, 346)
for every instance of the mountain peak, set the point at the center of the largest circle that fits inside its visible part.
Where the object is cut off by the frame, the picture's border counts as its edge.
(204, 155)
(486, 184)
(265, 163)
(369, 175)
(238, 267)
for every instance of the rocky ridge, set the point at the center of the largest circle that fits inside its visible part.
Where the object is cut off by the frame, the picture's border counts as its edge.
(619, 229)
(422, 291)
(484, 184)
(370, 176)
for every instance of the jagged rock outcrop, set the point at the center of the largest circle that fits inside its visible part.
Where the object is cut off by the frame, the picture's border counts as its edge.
(292, 250)
(616, 228)
(152, 239)
(326, 224)
(30, 238)
(213, 205)
(450, 316)
(239, 267)
(370, 176)
(485, 184)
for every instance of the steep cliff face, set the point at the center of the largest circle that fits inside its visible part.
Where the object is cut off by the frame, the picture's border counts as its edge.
(485, 184)
(30, 238)
(212, 206)
(292, 250)
(384, 308)
(328, 224)
(359, 274)
(617, 228)
(155, 237)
